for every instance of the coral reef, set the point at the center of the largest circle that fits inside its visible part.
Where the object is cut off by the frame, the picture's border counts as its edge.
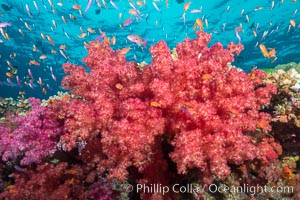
(286, 109)
(288, 66)
(55, 182)
(188, 118)
(9, 105)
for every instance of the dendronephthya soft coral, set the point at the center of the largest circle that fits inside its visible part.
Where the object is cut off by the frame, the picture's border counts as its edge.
(202, 109)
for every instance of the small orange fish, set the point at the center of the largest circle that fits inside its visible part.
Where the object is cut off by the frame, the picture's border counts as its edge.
(62, 47)
(124, 50)
(71, 171)
(154, 104)
(113, 40)
(34, 62)
(186, 6)
(243, 168)
(71, 181)
(44, 91)
(82, 35)
(66, 97)
(133, 12)
(198, 23)
(76, 7)
(264, 50)
(287, 173)
(272, 53)
(10, 187)
(293, 23)
(266, 53)
(119, 86)
(252, 73)
(139, 3)
(9, 74)
(21, 105)
(53, 51)
(90, 30)
(50, 40)
(262, 124)
(42, 57)
(206, 77)
(106, 40)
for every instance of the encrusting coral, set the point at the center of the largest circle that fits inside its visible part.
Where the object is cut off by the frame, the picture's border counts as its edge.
(286, 109)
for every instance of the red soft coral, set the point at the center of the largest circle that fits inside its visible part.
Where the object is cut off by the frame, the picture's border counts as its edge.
(198, 105)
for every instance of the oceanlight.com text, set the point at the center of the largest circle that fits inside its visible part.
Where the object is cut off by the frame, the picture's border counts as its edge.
(250, 189)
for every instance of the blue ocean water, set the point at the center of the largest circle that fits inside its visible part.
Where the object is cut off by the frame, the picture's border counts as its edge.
(65, 21)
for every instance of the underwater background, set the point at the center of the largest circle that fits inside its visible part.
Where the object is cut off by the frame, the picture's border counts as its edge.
(44, 34)
(156, 104)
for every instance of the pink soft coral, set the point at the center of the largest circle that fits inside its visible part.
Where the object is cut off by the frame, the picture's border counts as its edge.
(34, 137)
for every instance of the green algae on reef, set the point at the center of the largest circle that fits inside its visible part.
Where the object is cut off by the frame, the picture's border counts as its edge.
(269, 70)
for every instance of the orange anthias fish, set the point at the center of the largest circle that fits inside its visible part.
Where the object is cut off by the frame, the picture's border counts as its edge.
(266, 53)
(293, 23)
(42, 57)
(71, 171)
(50, 40)
(252, 73)
(34, 62)
(124, 50)
(186, 6)
(76, 7)
(62, 47)
(287, 173)
(44, 91)
(106, 40)
(264, 50)
(9, 74)
(113, 40)
(82, 35)
(262, 124)
(119, 86)
(139, 3)
(90, 30)
(198, 23)
(272, 53)
(154, 104)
